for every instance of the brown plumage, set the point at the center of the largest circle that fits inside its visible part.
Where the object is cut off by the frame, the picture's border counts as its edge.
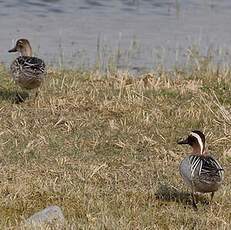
(27, 71)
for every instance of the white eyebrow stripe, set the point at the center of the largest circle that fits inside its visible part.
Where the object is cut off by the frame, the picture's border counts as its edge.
(199, 141)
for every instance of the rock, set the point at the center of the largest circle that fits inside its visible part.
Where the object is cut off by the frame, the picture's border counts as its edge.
(49, 215)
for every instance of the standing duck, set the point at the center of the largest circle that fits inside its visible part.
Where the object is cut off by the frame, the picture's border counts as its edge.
(201, 172)
(27, 71)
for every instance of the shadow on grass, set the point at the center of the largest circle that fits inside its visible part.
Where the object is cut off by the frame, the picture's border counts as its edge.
(169, 193)
(13, 96)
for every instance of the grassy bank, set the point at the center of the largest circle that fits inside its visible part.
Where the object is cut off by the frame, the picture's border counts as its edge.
(104, 148)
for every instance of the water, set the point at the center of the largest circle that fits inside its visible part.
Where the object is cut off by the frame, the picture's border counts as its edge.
(127, 34)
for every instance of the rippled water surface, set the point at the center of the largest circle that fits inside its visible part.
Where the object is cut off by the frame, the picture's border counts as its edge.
(133, 34)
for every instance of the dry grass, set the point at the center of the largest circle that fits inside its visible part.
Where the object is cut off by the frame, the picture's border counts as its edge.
(103, 148)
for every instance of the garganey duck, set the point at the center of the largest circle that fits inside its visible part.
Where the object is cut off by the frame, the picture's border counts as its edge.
(199, 170)
(27, 71)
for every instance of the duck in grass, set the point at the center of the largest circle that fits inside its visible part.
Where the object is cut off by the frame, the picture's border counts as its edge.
(28, 72)
(201, 172)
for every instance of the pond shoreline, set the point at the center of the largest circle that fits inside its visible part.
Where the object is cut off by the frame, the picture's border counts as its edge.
(130, 35)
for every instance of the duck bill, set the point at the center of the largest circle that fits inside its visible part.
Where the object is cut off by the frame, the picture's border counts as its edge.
(13, 50)
(183, 142)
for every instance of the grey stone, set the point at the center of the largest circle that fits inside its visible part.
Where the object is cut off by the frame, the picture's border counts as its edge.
(49, 215)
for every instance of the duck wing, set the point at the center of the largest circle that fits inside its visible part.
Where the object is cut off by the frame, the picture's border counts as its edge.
(29, 66)
(211, 170)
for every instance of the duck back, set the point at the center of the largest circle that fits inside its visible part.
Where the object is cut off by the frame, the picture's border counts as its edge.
(28, 72)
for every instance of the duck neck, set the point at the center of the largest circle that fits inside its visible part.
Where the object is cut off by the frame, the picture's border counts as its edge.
(26, 51)
(199, 150)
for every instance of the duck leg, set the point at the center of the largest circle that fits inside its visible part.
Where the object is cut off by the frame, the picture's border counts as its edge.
(194, 200)
(18, 98)
(36, 93)
(212, 195)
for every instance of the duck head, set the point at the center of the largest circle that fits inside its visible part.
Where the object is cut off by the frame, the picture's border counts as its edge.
(23, 47)
(196, 140)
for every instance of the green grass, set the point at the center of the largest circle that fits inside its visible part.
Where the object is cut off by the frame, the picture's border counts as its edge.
(103, 148)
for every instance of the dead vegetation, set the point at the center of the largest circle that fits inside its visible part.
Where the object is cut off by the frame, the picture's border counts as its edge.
(103, 148)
